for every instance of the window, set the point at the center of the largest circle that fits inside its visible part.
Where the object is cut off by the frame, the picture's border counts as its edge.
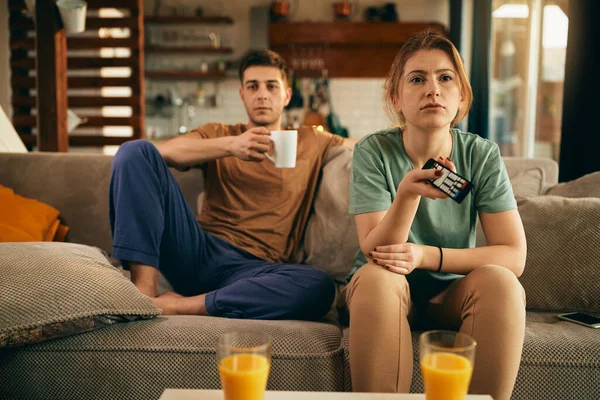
(528, 48)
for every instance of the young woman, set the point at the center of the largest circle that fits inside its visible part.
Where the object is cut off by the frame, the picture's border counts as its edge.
(417, 261)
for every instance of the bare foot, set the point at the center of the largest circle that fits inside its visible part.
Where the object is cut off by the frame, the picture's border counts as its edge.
(175, 304)
(167, 302)
(170, 293)
(145, 278)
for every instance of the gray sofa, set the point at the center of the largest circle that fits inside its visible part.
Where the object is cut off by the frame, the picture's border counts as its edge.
(138, 360)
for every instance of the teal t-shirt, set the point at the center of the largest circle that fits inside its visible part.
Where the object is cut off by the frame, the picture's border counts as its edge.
(379, 164)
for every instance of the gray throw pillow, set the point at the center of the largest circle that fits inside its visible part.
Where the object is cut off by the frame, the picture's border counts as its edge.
(51, 290)
(563, 253)
(330, 241)
(586, 186)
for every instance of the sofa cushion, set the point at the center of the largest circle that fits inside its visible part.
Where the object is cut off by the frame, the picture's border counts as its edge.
(529, 182)
(563, 256)
(586, 186)
(140, 359)
(330, 241)
(560, 360)
(517, 165)
(50, 290)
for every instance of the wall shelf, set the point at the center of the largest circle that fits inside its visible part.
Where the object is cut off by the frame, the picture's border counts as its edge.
(188, 49)
(175, 74)
(345, 49)
(221, 20)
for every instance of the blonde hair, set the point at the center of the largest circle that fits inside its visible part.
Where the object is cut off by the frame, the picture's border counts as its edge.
(425, 40)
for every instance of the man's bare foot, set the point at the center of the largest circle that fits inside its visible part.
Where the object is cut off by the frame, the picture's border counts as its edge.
(167, 302)
(145, 278)
(170, 293)
(175, 304)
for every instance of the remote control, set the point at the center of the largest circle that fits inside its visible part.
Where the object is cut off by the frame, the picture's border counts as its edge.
(454, 185)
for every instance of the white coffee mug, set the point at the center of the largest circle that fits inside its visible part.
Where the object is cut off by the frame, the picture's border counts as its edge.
(285, 144)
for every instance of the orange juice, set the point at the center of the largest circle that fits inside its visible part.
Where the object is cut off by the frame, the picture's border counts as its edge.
(446, 376)
(244, 376)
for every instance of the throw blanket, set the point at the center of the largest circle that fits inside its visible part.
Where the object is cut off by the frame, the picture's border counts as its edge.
(28, 220)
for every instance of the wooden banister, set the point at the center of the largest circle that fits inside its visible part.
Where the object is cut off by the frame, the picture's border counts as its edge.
(51, 82)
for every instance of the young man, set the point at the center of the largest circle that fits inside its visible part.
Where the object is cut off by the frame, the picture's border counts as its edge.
(233, 261)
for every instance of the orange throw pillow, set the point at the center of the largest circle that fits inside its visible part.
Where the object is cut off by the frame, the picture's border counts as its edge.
(28, 220)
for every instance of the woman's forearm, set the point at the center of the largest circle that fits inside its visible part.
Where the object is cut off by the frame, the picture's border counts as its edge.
(463, 261)
(394, 226)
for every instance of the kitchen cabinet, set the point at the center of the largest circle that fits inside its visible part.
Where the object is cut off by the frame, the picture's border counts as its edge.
(345, 49)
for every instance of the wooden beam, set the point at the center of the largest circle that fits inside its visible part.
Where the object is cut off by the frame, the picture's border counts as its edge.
(138, 52)
(185, 74)
(346, 33)
(189, 49)
(51, 48)
(167, 19)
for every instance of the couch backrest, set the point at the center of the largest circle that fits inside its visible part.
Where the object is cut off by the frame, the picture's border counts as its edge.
(531, 176)
(77, 185)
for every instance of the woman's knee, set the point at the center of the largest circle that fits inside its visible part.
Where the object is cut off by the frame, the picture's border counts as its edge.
(497, 283)
(373, 281)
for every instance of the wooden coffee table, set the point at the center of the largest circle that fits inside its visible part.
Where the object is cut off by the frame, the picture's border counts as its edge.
(192, 394)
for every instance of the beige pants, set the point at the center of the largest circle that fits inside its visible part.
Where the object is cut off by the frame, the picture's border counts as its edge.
(488, 304)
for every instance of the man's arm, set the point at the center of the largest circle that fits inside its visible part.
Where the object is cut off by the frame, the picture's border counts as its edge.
(190, 150)
(349, 142)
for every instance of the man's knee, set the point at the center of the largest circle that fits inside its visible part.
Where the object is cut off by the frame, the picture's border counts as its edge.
(324, 290)
(316, 297)
(131, 151)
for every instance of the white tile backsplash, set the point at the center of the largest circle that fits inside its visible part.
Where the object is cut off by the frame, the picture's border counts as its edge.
(357, 102)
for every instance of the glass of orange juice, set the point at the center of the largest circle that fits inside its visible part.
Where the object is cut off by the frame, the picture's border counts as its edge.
(244, 363)
(447, 360)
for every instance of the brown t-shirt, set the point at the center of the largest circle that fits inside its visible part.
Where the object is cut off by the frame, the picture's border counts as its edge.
(255, 206)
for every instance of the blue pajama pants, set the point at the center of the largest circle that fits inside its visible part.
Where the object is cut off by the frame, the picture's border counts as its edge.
(152, 224)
